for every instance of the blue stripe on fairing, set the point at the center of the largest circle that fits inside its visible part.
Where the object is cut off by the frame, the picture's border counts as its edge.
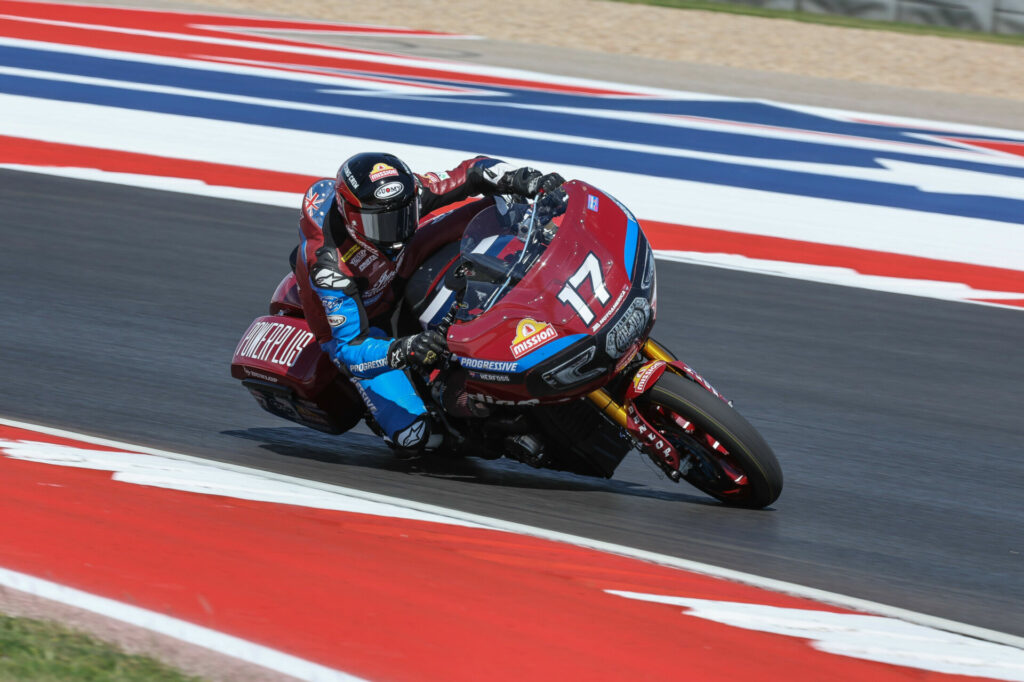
(629, 250)
(546, 351)
(529, 360)
(714, 172)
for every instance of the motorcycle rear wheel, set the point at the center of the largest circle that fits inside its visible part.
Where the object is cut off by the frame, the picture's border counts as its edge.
(729, 459)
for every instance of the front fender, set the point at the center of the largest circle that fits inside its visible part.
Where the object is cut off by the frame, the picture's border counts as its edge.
(647, 375)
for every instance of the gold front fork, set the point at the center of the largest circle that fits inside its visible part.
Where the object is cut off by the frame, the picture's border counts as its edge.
(656, 352)
(607, 404)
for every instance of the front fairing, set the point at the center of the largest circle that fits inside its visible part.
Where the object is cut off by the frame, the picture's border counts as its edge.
(577, 314)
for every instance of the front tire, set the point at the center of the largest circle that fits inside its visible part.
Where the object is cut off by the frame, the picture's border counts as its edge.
(729, 459)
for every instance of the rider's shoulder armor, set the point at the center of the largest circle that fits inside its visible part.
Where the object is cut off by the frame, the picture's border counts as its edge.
(318, 201)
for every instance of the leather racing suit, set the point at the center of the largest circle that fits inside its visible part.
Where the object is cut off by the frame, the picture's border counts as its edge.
(349, 287)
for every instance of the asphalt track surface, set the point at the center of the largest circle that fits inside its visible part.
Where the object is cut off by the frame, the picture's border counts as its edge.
(897, 419)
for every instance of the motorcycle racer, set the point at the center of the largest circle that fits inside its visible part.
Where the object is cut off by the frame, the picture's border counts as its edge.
(352, 263)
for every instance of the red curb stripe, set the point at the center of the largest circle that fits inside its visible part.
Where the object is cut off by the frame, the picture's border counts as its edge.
(196, 48)
(16, 150)
(387, 598)
(668, 236)
(663, 236)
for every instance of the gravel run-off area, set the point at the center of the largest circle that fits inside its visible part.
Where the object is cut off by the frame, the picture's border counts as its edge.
(698, 37)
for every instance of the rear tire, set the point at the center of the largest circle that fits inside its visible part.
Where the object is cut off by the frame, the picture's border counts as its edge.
(730, 460)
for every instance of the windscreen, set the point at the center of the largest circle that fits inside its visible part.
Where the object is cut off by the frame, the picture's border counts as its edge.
(500, 246)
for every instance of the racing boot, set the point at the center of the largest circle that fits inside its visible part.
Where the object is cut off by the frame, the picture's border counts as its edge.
(419, 437)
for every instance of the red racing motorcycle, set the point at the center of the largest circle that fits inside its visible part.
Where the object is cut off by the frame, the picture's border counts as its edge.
(548, 308)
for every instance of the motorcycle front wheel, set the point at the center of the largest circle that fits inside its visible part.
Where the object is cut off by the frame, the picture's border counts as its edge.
(720, 452)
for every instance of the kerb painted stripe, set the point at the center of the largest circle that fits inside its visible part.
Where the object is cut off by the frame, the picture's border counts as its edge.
(173, 627)
(782, 587)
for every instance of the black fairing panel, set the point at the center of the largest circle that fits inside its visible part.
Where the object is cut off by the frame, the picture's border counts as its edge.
(580, 440)
(418, 293)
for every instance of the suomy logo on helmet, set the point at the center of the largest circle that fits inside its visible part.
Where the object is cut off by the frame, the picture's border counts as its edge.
(389, 190)
(381, 171)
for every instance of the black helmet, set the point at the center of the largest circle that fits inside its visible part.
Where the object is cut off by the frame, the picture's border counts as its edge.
(376, 195)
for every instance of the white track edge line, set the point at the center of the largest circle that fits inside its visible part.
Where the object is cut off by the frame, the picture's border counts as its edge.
(794, 589)
(222, 643)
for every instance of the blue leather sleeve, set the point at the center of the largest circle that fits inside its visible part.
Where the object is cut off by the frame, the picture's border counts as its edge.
(351, 346)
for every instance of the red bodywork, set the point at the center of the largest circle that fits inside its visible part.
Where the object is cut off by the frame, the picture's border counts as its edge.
(285, 300)
(593, 224)
(281, 349)
(286, 371)
(533, 327)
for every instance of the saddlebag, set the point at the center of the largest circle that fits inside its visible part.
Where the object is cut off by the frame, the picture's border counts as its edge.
(279, 361)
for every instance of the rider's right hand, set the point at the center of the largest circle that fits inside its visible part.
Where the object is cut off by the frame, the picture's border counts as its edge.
(529, 182)
(549, 183)
(522, 181)
(423, 349)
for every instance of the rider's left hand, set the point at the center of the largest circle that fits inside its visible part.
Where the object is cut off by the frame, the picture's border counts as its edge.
(423, 349)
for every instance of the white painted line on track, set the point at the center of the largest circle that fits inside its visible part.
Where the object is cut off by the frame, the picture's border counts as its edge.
(846, 277)
(937, 236)
(807, 272)
(870, 638)
(934, 179)
(173, 627)
(781, 586)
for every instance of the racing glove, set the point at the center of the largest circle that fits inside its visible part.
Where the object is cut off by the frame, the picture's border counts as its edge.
(549, 183)
(528, 182)
(423, 349)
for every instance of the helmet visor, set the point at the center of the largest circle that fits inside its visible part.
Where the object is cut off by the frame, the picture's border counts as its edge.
(391, 226)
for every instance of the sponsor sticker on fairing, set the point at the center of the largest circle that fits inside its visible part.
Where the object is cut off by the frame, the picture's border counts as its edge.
(592, 202)
(491, 400)
(273, 342)
(381, 171)
(530, 335)
(485, 376)
(644, 374)
(628, 356)
(489, 365)
(260, 375)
